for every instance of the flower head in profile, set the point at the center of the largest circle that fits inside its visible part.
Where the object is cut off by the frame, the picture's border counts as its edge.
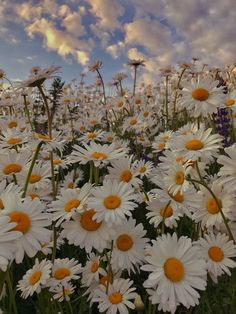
(136, 62)
(96, 65)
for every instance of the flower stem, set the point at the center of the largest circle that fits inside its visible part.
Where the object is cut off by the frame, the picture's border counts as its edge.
(11, 292)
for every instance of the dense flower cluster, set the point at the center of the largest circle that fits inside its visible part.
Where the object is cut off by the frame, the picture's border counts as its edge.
(123, 201)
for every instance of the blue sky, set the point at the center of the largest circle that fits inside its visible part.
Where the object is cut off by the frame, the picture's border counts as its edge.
(73, 33)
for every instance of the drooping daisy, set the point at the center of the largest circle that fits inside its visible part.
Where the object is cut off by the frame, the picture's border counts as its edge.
(208, 212)
(99, 154)
(92, 270)
(117, 298)
(176, 271)
(218, 252)
(124, 170)
(35, 278)
(87, 233)
(201, 96)
(112, 202)
(227, 173)
(69, 202)
(129, 246)
(31, 221)
(202, 145)
(7, 241)
(64, 270)
(62, 292)
(160, 212)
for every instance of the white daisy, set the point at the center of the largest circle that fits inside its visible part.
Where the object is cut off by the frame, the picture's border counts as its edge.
(117, 298)
(87, 233)
(112, 202)
(62, 292)
(218, 252)
(92, 270)
(35, 278)
(176, 271)
(69, 201)
(129, 246)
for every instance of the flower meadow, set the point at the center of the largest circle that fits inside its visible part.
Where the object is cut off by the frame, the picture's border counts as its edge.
(118, 198)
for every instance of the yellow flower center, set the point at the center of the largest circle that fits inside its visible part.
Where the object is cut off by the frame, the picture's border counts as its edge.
(162, 146)
(87, 222)
(126, 176)
(138, 101)
(34, 278)
(94, 267)
(174, 269)
(34, 178)
(104, 280)
(93, 122)
(179, 177)
(21, 219)
(230, 102)
(42, 136)
(112, 202)
(178, 197)
(70, 185)
(14, 141)
(216, 254)
(12, 168)
(133, 121)
(91, 135)
(61, 273)
(194, 145)
(12, 124)
(115, 297)
(142, 169)
(212, 206)
(56, 161)
(200, 94)
(73, 203)
(146, 114)
(179, 158)
(33, 195)
(99, 155)
(1, 204)
(120, 104)
(124, 242)
(110, 138)
(82, 128)
(166, 212)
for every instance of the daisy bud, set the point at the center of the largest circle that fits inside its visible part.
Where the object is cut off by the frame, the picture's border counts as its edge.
(139, 305)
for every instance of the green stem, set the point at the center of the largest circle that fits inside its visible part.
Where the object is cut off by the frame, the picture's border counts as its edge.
(96, 175)
(31, 168)
(166, 102)
(27, 113)
(47, 110)
(135, 79)
(91, 166)
(11, 292)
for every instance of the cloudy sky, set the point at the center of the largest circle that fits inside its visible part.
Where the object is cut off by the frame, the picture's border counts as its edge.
(73, 33)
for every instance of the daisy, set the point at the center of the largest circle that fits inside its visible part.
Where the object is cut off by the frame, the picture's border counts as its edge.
(13, 162)
(124, 170)
(7, 237)
(30, 220)
(35, 278)
(64, 270)
(175, 179)
(231, 100)
(50, 143)
(160, 212)
(99, 154)
(117, 298)
(92, 136)
(112, 202)
(62, 292)
(87, 233)
(202, 145)
(227, 173)
(176, 271)
(144, 167)
(12, 138)
(218, 252)
(39, 177)
(12, 122)
(129, 246)
(201, 96)
(208, 212)
(69, 202)
(131, 123)
(161, 142)
(92, 270)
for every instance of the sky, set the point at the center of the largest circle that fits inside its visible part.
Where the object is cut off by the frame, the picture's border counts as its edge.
(74, 33)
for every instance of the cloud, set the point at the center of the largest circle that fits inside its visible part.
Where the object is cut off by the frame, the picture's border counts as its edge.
(108, 13)
(116, 49)
(56, 40)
